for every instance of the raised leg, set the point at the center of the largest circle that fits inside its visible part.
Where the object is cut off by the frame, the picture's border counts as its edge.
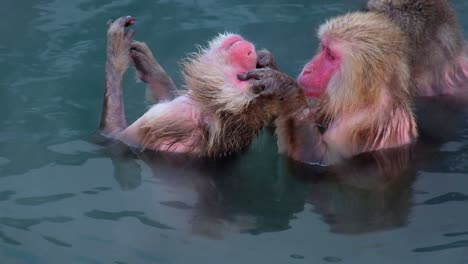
(118, 59)
(150, 71)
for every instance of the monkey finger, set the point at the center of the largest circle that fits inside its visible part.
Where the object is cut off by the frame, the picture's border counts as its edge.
(138, 59)
(121, 22)
(129, 35)
(242, 77)
(141, 47)
(253, 74)
(142, 63)
(127, 21)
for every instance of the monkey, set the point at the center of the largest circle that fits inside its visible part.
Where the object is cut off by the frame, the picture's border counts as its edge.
(438, 54)
(215, 116)
(357, 87)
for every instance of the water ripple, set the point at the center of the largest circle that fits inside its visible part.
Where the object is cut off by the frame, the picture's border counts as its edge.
(177, 205)
(116, 216)
(449, 197)
(56, 241)
(27, 223)
(8, 239)
(6, 195)
(96, 190)
(456, 234)
(457, 244)
(33, 201)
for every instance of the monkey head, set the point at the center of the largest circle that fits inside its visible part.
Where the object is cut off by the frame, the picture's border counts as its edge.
(317, 73)
(359, 54)
(240, 53)
(218, 65)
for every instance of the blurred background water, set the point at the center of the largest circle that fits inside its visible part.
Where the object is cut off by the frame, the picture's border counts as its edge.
(65, 199)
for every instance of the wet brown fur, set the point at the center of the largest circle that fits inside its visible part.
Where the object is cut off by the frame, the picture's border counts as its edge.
(438, 55)
(366, 105)
(373, 81)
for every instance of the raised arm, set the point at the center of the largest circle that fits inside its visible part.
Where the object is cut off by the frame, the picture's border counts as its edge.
(161, 86)
(298, 135)
(118, 59)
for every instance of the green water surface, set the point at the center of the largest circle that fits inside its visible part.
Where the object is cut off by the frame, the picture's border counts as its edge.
(66, 199)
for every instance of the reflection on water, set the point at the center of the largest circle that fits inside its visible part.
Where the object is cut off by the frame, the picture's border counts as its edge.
(66, 199)
(372, 192)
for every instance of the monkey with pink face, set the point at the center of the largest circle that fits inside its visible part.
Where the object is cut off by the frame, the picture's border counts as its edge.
(361, 83)
(217, 115)
(357, 87)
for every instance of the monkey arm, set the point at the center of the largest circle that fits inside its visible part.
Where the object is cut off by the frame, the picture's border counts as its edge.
(118, 46)
(150, 71)
(297, 131)
(300, 139)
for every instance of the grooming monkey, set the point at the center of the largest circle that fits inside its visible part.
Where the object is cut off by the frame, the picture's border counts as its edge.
(217, 115)
(359, 83)
(438, 55)
(362, 80)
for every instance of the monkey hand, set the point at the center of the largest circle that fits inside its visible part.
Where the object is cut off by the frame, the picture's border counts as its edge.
(119, 42)
(278, 88)
(266, 60)
(267, 82)
(144, 61)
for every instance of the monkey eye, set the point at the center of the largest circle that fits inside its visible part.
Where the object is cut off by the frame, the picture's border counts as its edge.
(330, 54)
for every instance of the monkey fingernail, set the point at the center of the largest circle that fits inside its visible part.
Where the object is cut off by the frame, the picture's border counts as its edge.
(129, 21)
(242, 77)
(129, 34)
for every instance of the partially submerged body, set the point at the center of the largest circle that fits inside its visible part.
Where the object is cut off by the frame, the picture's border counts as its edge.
(438, 54)
(359, 86)
(217, 114)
